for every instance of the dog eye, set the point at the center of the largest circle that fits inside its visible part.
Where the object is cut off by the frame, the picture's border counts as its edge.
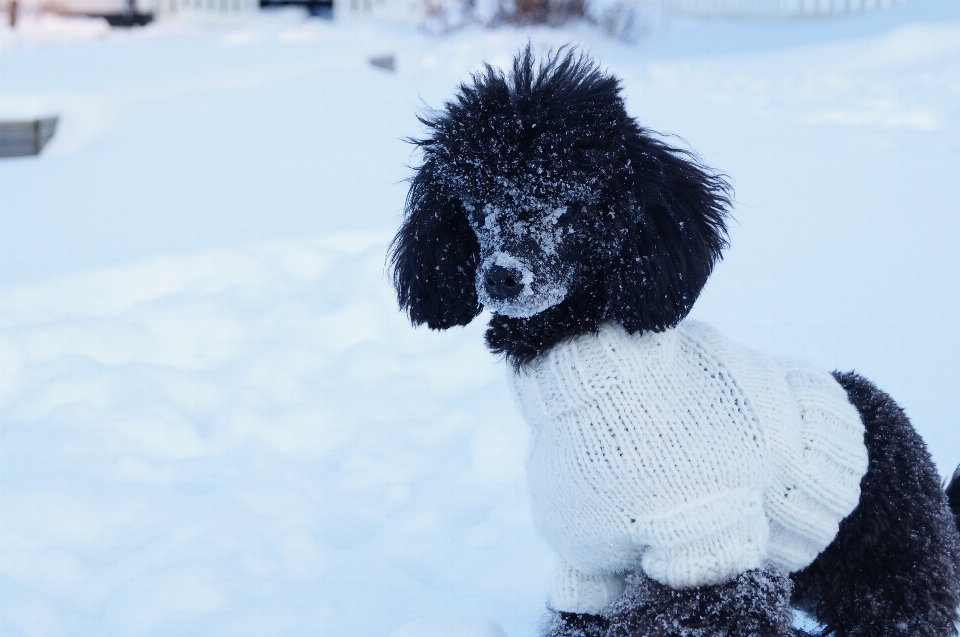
(475, 215)
(569, 213)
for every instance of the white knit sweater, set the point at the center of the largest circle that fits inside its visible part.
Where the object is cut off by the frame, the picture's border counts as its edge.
(685, 455)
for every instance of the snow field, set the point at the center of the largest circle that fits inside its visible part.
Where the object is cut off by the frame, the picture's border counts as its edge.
(253, 438)
(214, 421)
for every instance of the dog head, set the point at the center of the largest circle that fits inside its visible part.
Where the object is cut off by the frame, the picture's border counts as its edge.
(537, 186)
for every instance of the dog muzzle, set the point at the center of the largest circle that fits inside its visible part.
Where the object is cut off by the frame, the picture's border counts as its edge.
(506, 285)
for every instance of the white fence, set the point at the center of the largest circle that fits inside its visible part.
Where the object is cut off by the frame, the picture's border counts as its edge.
(768, 8)
(403, 11)
(207, 10)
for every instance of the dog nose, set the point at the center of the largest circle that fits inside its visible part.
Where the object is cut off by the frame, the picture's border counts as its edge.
(503, 283)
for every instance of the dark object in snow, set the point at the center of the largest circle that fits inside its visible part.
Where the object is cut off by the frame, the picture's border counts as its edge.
(24, 138)
(316, 8)
(386, 62)
(540, 180)
(756, 603)
(126, 19)
(322, 10)
(894, 567)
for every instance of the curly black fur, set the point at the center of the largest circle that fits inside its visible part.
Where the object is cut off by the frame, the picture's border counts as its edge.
(953, 496)
(755, 603)
(652, 224)
(893, 568)
(575, 625)
(435, 257)
(522, 340)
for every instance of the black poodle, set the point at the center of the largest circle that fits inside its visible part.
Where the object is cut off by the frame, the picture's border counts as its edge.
(542, 200)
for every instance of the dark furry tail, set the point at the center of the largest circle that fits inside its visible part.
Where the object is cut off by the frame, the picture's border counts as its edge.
(953, 496)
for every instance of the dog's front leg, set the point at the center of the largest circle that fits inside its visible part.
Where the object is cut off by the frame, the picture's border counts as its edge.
(756, 603)
(576, 601)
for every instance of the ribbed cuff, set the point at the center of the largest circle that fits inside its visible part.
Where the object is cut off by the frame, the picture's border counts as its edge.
(822, 486)
(576, 592)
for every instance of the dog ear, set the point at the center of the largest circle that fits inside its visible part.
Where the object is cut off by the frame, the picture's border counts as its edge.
(672, 232)
(434, 257)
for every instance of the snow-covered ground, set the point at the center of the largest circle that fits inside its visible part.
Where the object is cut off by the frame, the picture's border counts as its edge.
(213, 420)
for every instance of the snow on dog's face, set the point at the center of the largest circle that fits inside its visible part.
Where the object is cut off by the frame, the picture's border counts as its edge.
(530, 228)
(542, 200)
(524, 256)
(522, 166)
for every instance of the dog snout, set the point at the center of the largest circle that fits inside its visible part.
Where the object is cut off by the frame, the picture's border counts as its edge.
(503, 283)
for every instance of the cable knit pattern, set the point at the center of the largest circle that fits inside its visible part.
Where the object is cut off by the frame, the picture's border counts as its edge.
(685, 455)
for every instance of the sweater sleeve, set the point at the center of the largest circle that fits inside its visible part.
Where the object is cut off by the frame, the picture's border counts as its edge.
(819, 473)
(574, 591)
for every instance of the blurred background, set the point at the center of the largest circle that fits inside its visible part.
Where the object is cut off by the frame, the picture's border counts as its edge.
(213, 419)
